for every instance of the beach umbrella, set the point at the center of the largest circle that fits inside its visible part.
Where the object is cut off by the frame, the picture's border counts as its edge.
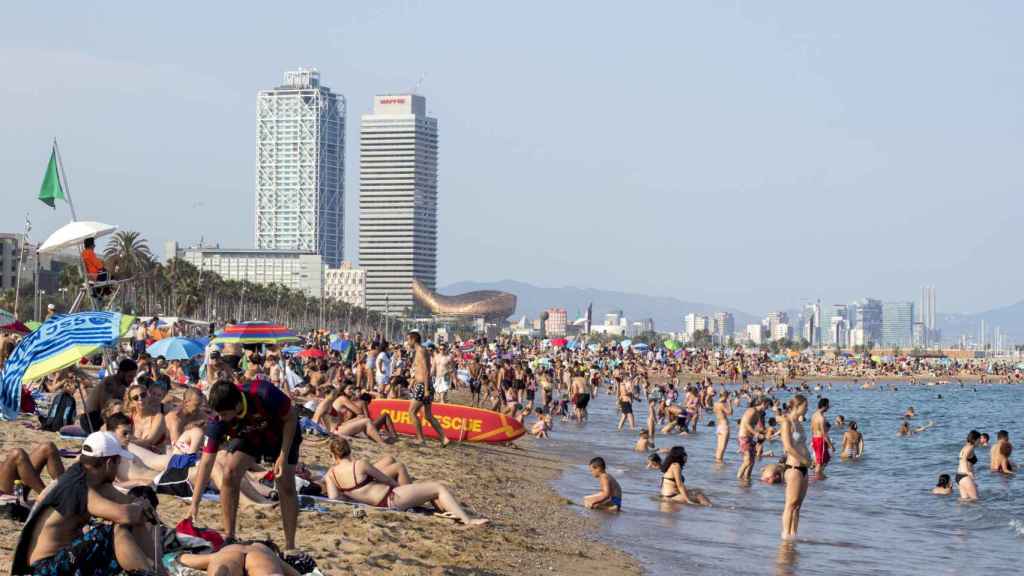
(311, 353)
(60, 342)
(16, 326)
(255, 333)
(74, 234)
(33, 325)
(175, 349)
(292, 350)
(559, 342)
(640, 346)
(626, 343)
(780, 357)
(340, 345)
(672, 345)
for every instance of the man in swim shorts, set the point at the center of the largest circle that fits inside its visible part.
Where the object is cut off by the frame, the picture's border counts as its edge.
(748, 438)
(819, 438)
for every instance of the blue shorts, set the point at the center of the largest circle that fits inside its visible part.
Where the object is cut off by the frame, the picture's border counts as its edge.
(91, 554)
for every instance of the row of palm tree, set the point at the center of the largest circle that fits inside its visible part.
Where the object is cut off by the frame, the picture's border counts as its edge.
(178, 288)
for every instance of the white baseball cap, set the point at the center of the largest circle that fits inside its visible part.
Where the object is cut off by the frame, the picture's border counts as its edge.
(50, 307)
(103, 445)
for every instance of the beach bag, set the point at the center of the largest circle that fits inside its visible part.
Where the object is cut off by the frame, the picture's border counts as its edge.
(28, 403)
(62, 412)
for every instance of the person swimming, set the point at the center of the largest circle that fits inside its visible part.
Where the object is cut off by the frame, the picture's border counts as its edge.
(944, 487)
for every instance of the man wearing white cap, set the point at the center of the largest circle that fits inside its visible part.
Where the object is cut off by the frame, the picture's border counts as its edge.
(52, 542)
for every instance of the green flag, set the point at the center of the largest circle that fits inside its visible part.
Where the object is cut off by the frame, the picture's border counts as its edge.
(51, 189)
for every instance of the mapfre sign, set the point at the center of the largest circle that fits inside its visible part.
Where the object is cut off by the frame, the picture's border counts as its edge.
(392, 100)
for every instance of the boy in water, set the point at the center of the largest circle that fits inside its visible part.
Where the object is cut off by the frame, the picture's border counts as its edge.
(610, 496)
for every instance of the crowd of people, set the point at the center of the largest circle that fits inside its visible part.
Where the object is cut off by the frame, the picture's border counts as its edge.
(236, 418)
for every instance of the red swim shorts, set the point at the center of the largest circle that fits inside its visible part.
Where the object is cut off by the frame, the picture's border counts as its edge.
(821, 455)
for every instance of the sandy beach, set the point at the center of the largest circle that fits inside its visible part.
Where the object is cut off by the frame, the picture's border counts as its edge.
(533, 530)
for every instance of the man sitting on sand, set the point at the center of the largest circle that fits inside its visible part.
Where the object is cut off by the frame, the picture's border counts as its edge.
(610, 496)
(25, 467)
(52, 542)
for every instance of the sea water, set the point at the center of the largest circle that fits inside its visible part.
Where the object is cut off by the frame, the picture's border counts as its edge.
(875, 515)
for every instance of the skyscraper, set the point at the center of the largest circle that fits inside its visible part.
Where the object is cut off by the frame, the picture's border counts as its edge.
(897, 324)
(300, 167)
(397, 201)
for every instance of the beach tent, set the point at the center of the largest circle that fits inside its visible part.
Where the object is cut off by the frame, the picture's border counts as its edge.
(672, 345)
(60, 342)
(640, 346)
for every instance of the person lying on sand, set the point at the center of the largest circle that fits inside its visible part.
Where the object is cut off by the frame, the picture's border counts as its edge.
(358, 480)
(610, 496)
(237, 559)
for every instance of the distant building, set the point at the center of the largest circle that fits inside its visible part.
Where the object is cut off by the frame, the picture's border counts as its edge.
(50, 266)
(723, 326)
(837, 336)
(556, 324)
(782, 331)
(398, 156)
(897, 324)
(866, 316)
(694, 323)
(920, 335)
(613, 318)
(772, 320)
(346, 284)
(645, 326)
(811, 329)
(754, 333)
(291, 268)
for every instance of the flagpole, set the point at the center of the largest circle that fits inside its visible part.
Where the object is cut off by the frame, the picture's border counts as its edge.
(64, 181)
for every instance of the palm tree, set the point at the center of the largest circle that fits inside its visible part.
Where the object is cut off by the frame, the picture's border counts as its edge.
(129, 252)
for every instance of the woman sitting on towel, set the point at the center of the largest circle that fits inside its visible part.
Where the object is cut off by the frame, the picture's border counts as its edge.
(359, 481)
(144, 408)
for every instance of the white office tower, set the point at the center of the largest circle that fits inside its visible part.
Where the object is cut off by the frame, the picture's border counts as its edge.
(397, 201)
(300, 167)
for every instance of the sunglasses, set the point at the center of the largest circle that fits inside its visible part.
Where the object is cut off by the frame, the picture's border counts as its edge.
(139, 397)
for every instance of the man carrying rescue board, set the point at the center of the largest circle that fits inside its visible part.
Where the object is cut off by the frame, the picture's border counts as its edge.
(423, 388)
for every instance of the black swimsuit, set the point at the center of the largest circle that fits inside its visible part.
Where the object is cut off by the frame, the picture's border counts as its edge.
(972, 460)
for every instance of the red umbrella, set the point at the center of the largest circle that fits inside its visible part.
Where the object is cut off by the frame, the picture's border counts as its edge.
(311, 353)
(16, 327)
(559, 342)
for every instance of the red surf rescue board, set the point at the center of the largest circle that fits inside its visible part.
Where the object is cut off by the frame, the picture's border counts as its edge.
(460, 423)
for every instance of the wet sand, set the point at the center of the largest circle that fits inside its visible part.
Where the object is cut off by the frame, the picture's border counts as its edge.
(533, 530)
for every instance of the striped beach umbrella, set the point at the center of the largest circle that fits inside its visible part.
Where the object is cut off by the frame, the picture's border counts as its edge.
(255, 333)
(60, 342)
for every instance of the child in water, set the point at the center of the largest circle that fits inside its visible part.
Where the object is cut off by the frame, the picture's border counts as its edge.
(542, 425)
(643, 444)
(610, 496)
(944, 486)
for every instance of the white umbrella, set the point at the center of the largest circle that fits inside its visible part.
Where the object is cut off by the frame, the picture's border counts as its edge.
(74, 233)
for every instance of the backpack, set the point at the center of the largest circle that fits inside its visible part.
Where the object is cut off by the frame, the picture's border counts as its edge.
(63, 412)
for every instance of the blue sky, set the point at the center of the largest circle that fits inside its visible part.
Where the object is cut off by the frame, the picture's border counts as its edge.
(750, 154)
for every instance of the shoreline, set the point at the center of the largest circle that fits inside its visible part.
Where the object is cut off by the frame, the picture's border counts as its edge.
(533, 530)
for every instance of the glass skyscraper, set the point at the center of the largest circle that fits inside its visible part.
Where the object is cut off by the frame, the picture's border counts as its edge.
(898, 324)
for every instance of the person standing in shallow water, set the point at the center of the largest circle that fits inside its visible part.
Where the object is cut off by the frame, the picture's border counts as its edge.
(798, 460)
(819, 439)
(722, 409)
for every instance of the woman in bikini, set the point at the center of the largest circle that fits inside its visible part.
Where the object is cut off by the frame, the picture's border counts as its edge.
(147, 418)
(673, 484)
(965, 468)
(192, 410)
(339, 415)
(798, 459)
(358, 480)
(722, 409)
